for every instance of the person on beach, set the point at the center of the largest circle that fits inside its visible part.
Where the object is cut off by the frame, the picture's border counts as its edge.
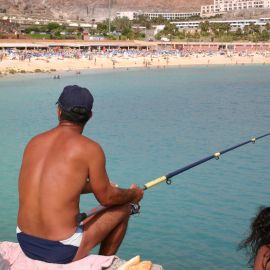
(57, 167)
(257, 244)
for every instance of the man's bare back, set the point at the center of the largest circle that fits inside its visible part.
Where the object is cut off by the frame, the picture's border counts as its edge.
(53, 175)
(55, 170)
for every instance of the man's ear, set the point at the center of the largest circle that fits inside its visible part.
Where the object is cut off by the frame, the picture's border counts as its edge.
(90, 115)
(59, 112)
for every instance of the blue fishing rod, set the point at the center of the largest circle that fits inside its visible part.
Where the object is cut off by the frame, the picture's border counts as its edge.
(167, 178)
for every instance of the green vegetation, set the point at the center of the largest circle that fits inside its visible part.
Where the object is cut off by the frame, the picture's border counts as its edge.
(142, 27)
(170, 32)
(39, 36)
(53, 30)
(143, 21)
(220, 32)
(12, 71)
(120, 29)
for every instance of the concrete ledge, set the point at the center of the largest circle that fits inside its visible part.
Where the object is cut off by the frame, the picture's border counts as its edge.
(119, 262)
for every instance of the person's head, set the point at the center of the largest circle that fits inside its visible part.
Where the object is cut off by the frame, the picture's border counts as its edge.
(259, 234)
(75, 105)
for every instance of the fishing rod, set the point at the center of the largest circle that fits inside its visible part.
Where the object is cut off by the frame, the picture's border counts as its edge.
(167, 178)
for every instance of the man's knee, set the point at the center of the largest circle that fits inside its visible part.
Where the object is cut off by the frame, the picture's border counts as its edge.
(125, 210)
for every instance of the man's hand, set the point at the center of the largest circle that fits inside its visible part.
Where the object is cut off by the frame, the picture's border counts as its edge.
(139, 193)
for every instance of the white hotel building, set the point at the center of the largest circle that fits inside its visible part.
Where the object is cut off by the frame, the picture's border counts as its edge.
(223, 6)
(235, 24)
(131, 15)
(171, 16)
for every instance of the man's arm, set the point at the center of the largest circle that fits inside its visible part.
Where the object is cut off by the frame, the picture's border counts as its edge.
(105, 193)
(262, 257)
(87, 187)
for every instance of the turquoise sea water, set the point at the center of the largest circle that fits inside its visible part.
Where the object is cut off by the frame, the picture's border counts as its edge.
(151, 122)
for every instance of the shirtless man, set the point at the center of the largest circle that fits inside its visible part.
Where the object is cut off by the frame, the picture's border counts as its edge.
(58, 166)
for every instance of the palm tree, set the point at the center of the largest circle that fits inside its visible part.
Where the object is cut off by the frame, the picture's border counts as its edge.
(109, 26)
(204, 26)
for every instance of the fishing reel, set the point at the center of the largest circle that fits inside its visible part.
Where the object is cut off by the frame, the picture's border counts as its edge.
(80, 217)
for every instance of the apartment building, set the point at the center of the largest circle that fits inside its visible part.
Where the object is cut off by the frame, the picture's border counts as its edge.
(171, 16)
(131, 15)
(152, 15)
(224, 6)
(235, 24)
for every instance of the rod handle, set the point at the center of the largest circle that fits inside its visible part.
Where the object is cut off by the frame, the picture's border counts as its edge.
(154, 182)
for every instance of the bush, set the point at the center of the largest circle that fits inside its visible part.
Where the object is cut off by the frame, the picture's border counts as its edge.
(12, 71)
(38, 70)
(122, 37)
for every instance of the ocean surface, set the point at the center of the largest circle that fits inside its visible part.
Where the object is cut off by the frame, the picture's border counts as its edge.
(149, 123)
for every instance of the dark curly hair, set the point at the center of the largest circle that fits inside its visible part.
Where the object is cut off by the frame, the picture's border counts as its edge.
(259, 236)
(76, 115)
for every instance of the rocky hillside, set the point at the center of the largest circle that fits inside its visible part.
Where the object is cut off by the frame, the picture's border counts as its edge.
(93, 9)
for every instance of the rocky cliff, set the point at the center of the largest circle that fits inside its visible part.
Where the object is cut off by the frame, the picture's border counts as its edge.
(93, 9)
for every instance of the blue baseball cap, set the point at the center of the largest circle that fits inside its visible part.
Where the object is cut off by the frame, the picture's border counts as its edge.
(74, 96)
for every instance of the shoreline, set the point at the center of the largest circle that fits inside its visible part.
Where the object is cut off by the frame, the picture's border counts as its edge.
(58, 56)
(56, 65)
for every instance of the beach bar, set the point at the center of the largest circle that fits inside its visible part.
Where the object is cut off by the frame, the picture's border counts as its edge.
(215, 46)
(90, 45)
(136, 45)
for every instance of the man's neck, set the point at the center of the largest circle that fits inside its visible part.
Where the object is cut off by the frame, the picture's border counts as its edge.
(70, 125)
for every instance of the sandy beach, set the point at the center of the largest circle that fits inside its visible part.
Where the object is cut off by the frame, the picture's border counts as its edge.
(27, 61)
(53, 64)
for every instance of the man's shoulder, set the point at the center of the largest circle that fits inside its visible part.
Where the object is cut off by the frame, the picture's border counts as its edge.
(39, 136)
(87, 148)
(80, 142)
(89, 143)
